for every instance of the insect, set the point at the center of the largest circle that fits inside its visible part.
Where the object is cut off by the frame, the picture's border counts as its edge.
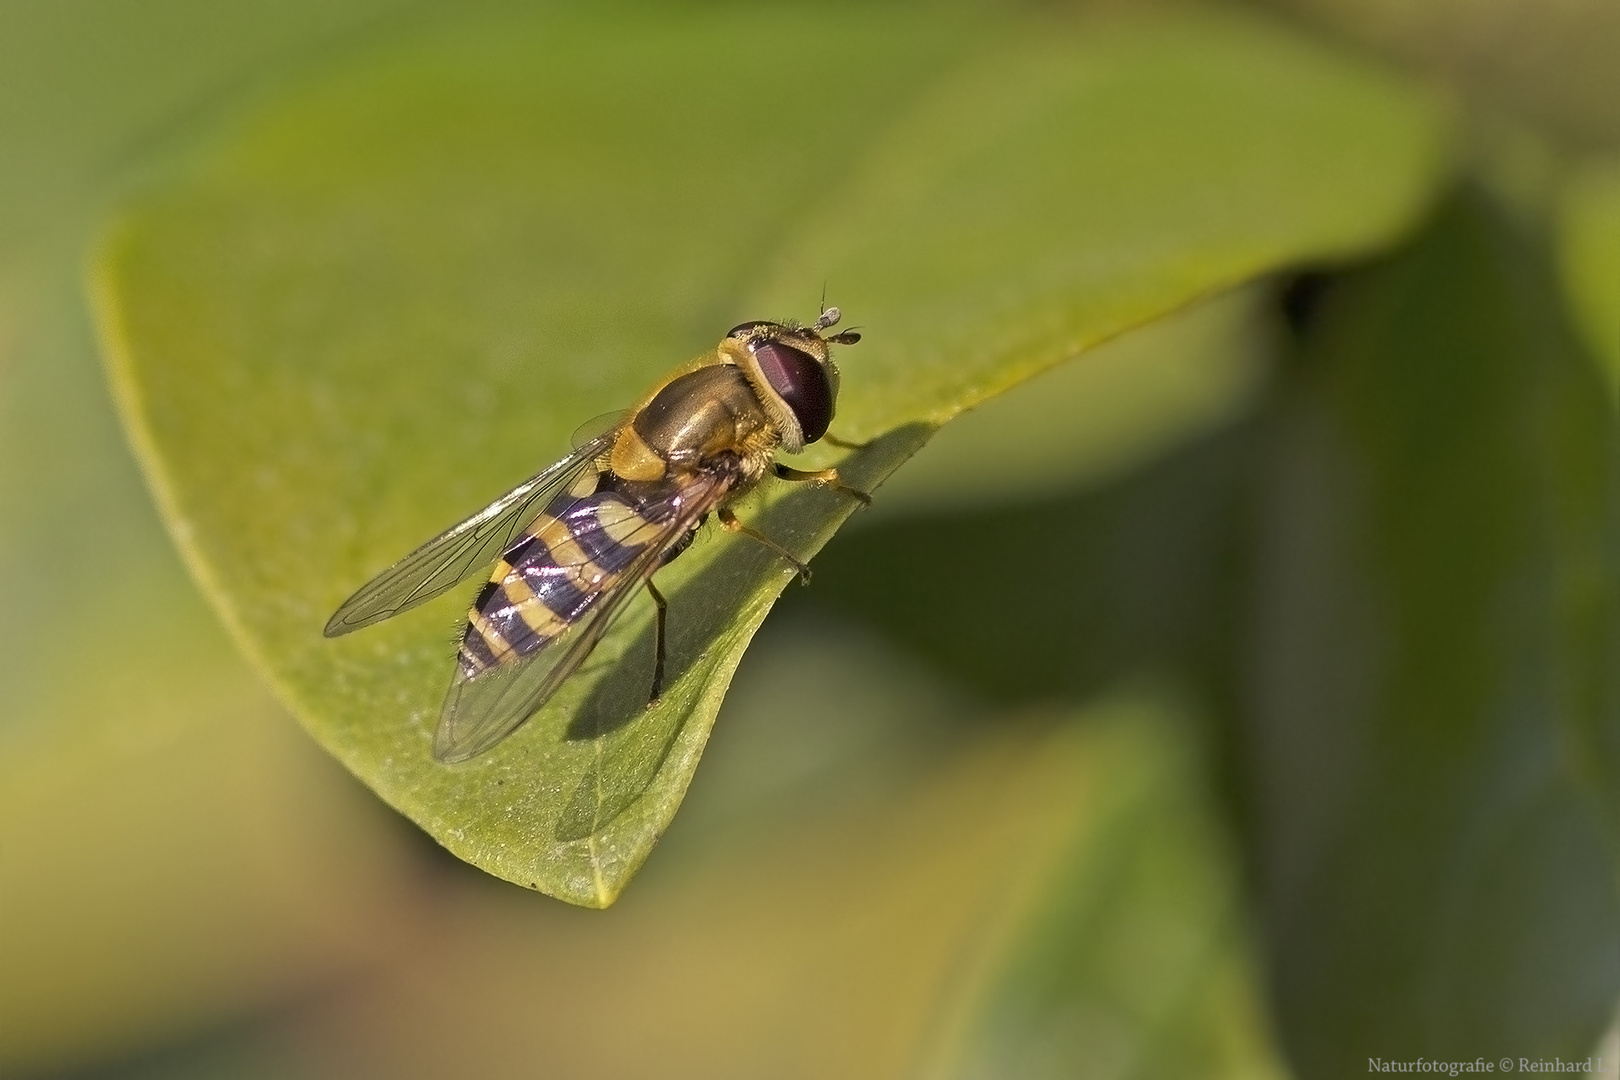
(577, 541)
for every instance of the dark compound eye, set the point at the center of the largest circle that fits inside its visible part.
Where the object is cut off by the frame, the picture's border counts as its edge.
(742, 328)
(801, 382)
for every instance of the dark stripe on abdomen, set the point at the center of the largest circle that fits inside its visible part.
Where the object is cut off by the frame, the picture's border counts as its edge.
(566, 593)
(525, 543)
(507, 621)
(475, 652)
(554, 586)
(607, 553)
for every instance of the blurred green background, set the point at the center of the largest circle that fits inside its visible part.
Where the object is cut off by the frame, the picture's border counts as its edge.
(1238, 697)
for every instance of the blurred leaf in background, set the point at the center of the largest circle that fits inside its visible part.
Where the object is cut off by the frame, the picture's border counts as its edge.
(1430, 712)
(1589, 255)
(1084, 424)
(1547, 66)
(172, 855)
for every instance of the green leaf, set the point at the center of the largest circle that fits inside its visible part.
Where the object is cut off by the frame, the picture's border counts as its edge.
(1589, 254)
(1086, 424)
(1087, 587)
(373, 305)
(175, 853)
(865, 869)
(1133, 960)
(94, 91)
(1432, 703)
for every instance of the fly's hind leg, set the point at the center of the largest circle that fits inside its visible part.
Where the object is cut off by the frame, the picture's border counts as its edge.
(825, 477)
(729, 522)
(658, 644)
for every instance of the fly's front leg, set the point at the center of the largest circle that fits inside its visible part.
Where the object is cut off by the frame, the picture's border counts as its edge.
(729, 522)
(826, 477)
(844, 444)
(658, 645)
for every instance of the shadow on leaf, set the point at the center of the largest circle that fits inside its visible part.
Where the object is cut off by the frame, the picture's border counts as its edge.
(632, 740)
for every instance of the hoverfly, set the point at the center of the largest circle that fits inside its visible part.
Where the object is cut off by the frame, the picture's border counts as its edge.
(577, 541)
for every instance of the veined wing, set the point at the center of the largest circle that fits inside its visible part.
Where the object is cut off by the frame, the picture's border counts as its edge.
(607, 423)
(462, 549)
(487, 705)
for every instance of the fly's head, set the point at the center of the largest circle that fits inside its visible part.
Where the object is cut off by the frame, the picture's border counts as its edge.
(791, 370)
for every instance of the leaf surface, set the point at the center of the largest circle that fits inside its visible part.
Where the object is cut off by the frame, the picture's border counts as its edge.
(377, 302)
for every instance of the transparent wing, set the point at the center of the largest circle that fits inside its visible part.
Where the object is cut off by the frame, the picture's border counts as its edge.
(608, 423)
(462, 549)
(481, 710)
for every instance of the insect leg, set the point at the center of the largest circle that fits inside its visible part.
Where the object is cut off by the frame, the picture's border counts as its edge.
(658, 645)
(844, 444)
(829, 477)
(729, 522)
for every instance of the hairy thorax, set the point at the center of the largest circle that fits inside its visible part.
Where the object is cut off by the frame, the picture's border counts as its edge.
(690, 422)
